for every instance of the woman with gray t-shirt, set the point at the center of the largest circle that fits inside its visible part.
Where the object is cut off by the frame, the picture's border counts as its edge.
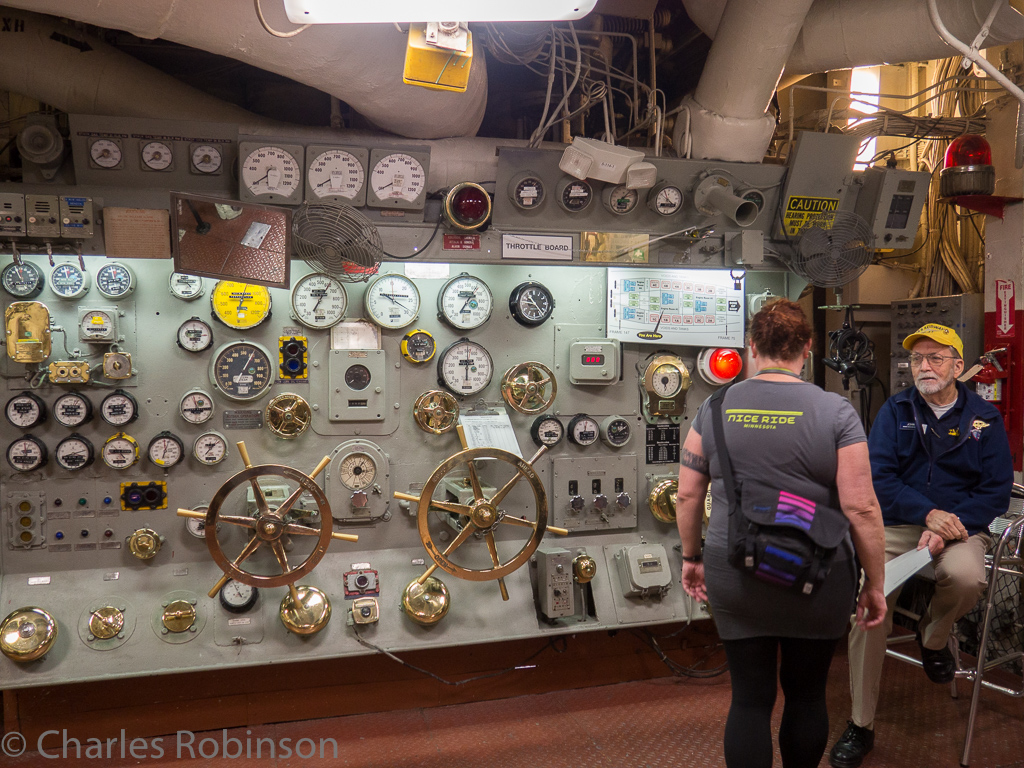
(792, 435)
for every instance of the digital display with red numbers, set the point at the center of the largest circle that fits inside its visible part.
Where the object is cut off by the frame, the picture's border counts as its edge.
(592, 359)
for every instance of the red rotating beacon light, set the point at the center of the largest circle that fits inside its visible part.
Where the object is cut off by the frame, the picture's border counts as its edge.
(967, 168)
(719, 366)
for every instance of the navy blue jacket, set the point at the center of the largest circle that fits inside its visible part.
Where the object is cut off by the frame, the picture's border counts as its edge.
(972, 479)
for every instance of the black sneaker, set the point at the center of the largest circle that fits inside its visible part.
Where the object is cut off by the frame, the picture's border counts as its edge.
(852, 746)
(938, 665)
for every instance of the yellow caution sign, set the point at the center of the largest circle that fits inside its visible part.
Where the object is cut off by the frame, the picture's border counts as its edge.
(802, 212)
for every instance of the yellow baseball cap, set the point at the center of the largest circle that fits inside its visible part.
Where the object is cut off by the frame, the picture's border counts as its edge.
(935, 332)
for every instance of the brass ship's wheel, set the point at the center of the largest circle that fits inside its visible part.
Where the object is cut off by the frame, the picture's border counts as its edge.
(529, 387)
(436, 412)
(288, 415)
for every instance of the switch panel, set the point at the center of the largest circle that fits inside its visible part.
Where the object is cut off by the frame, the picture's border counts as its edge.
(644, 570)
(42, 212)
(26, 520)
(555, 593)
(76, 217)
(12, 214)
(594, 494)
(356, 385)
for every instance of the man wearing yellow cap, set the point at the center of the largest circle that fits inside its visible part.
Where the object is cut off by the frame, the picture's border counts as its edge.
(942, 471)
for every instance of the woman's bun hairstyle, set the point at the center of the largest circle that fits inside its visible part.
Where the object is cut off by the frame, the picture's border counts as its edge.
(780, 330)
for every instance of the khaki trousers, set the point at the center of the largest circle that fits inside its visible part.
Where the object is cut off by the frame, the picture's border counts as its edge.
(959, 583)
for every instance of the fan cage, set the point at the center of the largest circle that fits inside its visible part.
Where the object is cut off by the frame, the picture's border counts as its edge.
(832, 257)
(337, 239)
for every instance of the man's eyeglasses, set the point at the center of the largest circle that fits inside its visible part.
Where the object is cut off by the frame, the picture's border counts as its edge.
(934, 360)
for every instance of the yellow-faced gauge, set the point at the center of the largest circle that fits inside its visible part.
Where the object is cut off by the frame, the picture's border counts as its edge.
(240, 305)
(418, 346)
(120, 451)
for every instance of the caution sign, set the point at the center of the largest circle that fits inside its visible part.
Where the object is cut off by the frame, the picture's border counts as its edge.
(804, 212)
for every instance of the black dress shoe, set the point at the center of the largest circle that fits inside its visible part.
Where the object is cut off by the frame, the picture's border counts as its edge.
(852, 746)
(938, 665)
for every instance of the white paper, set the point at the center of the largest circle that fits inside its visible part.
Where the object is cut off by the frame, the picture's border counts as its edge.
(355, 334)
(490, 431)
(903, 567)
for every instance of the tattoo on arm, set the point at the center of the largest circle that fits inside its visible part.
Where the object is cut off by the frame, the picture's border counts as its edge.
(694, 462)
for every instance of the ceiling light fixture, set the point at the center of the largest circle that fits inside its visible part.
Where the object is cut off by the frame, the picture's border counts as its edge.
(388, 11)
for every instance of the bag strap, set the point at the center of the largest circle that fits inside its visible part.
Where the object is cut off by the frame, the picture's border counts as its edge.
(723, 452)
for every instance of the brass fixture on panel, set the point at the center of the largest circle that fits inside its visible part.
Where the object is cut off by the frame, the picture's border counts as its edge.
(106, 622)
(426, 603)
(584, 568)
(529, 388)
(662, 500)
(26, 634)
(436, 412)
(288, 415)
(145, 543)
(178, 616)
(309, 615)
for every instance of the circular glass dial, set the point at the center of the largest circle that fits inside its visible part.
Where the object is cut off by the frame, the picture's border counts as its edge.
(210, 448)
(531, 304)
(621, 199)
(120, 451)
(115, 280)
(98, 325)
(238, 597)
(357, 471)
(392, 301)
(667, 200)
(196, 407)
(528, 192)
(25, 411)
(197, 526)
(319, 301)
(666, 380)
(547, 430)
(26, 454)
(336, 173)
(119, 408)
(206, 158)
(240, 305)
(465, 302)
(22, 281)
(271, 171)
(105, 153)
(465, 368)
(74, 452)
(242, 371)
(195, 335)
(418, 346)
(69, 281)
(165, 450)
(72, 409)
(616, 431)
(583, 430)
(357, 377)
(398, 176)
(186, 287)
(575, 195)
(157, 156)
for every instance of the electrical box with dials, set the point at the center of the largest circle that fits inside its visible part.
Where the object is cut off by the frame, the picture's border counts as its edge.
(594, 361)
(356, 385)
(12, 214)
(76, 217)
(891, 201)
(644, 570)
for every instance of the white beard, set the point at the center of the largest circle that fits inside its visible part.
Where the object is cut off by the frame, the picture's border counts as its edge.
(930, 385)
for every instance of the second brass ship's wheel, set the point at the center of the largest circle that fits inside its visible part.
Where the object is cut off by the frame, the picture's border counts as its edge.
(288, 415)
(529, 387)
(436, 412)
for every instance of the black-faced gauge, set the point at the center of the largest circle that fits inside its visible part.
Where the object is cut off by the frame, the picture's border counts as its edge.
(196, 526)
(105, 153)
(22, 281)
(319, 301)
(240, 305)
(186, 287)
(115, 280)
(119, 408)
(526, 191)
(210, 448)
(242, 370)
(530, 304)
(25, 410)
(616, 431)
(583, 430)
(397, 180)
(271, 173)
(97, 325)
(237, 597)
(156, 156)
(196, 407)
(357, 377)
(336, 175)
(392, 301)
(465, 302)
(195, 335)
(74, 452)
(574, 195)
(418, 346)
(26, 454)
(754, 196)
(664, 198)
(206, 158)
(120, 451)
(72, 409)
(547, 430)
(357, 471)
(165, 450)
(69, 281)
(620, 199)
(465, 367)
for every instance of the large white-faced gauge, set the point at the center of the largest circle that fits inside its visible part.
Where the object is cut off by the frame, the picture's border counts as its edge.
(465, 302)
(74, 452)
(120, 451)
(271, 174)
(25, 411)
(22, 281)
(186, 287)
(620, 199)
(115, 280)
(583, 430)
(237, 597)
(242, 370)
(26, 454)
(664, 384)
(165, 450)
(357, 471)
(397, 180)
(196, 407)
(337, 175)
(319, 301)
(105, 153)
(392, 301)
(72, 409)
(665, 199)
(530, 304)
(210, 448)
(574, 195)
(69, 281)
(157, 156)
(206, 158)
(465, 368)
(240, 305)
(119, 408)
(195, 335)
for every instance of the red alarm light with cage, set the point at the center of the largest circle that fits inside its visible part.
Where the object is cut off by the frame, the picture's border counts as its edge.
(967, 168)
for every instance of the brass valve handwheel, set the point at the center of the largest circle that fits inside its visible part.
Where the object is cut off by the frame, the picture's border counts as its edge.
(436, 412)
(288, 415)
(662, 501)
(529, 387)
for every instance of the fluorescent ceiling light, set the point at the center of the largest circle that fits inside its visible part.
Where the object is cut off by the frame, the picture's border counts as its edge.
(387, 11)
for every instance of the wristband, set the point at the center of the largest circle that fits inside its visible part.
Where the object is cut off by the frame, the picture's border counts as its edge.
(698, 558)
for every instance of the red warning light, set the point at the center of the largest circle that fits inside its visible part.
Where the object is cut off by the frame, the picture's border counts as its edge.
(467, 207)
(967, 168)
(719, 366)
(968, 150)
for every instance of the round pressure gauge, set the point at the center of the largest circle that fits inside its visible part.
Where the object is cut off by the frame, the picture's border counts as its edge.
(196, 407)
(22, 281)
(583, 430)
(26, 454)
(97, 325)
(157, 156)
(69, 281)
(105, 153)
(620, 199)
(398, 179)
(119, 408)
(240, 305)
(242, 370)
(616, 431)
(186, 287)
(530, 304)
(196, 526)
(465, 368)
(547, 430)
(120, 451)
(418, 346)
(526, 190)
(574, 195)
(666, 380)
(195, 335)
(206, 158)
(357, 471)
(115, 280)
(392, 301)
(74, 452)
(335, 174)
(25, 411)
(72, 409)
(165, 450)
(319, 301)
(665, 199)
(210, 448)
(271, 171)
(357, 377)
(237, 597)
(465, 302)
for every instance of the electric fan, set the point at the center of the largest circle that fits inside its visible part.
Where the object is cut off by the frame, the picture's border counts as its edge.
(834, 256)
(338, 240)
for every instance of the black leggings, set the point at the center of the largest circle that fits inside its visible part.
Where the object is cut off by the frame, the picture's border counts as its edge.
(803, 674)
